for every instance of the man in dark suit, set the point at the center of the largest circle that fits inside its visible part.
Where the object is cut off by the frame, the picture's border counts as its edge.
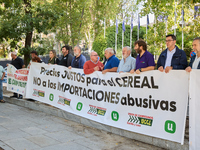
(195, 60)
(172, 57)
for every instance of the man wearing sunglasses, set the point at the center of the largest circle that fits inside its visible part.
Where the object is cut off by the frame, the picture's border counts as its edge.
(93, 64)
(172, 57)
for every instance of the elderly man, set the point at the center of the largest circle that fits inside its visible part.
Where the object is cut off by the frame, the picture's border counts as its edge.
(79, 60)
(112, 61)
(144, 60)
(67, 57)
(18, 64)
(127, 63)
(195, 60)
(93, 64)
(172, 57)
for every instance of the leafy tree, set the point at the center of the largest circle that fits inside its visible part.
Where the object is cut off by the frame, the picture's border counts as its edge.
(20, 18)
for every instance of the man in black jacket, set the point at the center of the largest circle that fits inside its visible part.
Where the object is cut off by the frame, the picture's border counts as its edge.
(18, 64)
(172, 57)
(67, 57)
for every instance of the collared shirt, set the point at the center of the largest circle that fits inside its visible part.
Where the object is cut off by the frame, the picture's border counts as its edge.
(2, 70)
(76, 62)
(128, 65)
(145, 60)
(169, 57)
(196, 63)
(112, 62)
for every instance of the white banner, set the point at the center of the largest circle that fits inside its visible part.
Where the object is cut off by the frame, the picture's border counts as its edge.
(16, 79)
(194, 110)
(152, 103)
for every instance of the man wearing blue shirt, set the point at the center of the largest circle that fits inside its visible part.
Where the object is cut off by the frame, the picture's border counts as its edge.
(127, 63)
(112, 61)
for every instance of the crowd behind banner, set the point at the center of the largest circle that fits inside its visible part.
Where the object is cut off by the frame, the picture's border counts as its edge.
(171, 58)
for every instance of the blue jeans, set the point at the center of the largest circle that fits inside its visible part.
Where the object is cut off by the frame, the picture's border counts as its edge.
(1, 89)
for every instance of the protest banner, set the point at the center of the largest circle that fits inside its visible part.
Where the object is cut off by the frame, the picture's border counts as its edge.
(194, 110)
(16, 79)
(153, 103)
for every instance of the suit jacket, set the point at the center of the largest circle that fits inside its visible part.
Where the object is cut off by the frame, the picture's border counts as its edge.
(192, 61)
(179, 59)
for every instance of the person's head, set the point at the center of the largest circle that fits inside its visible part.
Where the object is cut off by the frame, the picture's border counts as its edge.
(66, 49)
(139, 46)
(36, 59)
(77, 51)
(33, 54)
(14, 55)
(94, 56)
(170, 41)
(109, 52)
(52, 53)
(196, 45)
(126, 51)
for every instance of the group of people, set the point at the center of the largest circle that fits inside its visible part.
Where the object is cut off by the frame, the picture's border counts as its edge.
(171, 58)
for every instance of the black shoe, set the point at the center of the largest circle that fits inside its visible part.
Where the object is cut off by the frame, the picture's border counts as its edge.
(20, 97)
(14, 96)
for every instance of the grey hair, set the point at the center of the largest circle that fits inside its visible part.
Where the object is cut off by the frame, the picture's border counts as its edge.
(128, 48)
(14, 53)
(110, 50)
(197, 38)
(78, 47)
(91, 52)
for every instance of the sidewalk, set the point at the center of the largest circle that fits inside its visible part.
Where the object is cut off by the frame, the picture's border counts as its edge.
(24, 129)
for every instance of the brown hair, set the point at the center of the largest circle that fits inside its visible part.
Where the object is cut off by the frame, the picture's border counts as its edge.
(141, 43)
(36, 59)
(54, 52)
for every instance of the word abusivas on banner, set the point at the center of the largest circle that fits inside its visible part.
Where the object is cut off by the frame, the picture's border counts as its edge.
(152, 103)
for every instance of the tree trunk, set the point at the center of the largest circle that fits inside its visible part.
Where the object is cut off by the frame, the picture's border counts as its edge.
(29, 34)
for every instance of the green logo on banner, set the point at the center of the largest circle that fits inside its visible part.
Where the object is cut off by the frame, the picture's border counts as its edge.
(115, 116)
(79, 106)
(9, 80)
(51, 97)
(170, 126)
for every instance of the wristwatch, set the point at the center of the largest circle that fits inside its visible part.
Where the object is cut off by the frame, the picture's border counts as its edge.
(140, 70)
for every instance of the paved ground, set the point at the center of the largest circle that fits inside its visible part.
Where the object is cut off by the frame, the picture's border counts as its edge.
(24, 129)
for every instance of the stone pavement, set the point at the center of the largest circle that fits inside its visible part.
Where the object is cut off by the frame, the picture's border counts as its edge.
(23, 129)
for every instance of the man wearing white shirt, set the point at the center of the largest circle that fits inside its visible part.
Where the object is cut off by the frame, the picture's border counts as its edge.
(127, 63)
(172, 57)
(195, 60)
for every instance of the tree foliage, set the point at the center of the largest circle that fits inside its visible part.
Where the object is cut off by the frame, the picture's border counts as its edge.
(20, 18)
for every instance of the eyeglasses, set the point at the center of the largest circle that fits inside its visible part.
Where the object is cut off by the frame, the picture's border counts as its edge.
(168, 41)
(94, 55)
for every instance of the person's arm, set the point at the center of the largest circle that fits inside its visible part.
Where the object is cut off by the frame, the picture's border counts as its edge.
(182, 63)
(133, 64)
(3, 75)
(82, 61)
(159, 63)
(87, 69)
(144, 69)
(57, 61)
(114, 69)
(70, 59)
